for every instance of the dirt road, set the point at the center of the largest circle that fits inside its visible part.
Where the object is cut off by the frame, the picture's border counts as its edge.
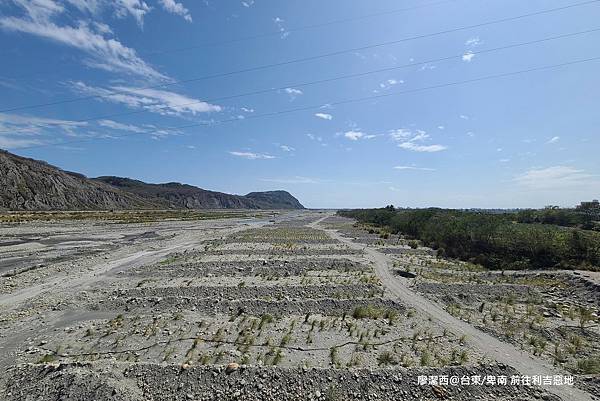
(498, 350)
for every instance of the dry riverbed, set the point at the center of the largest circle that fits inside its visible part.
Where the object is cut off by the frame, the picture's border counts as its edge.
(272, 306)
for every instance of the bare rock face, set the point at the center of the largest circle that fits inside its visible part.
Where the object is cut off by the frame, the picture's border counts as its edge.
(27, 184)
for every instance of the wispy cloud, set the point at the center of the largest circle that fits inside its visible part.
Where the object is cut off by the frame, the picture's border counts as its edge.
(414, 168)
(19, 131)
(136, 8)
(314, 137)
(154, 100)
(473, 42)
(248, 3)
(176, 8)
(280, 24)
(555, 178)
(8, 142)
(413, 141)
(324, 116)
(286, 148)
(554, 139)
(95, 39)
(251, 155)
(27, 124)
(421, 148)
(400, 134)
(160, 133)
(121, 127)
(390, 82)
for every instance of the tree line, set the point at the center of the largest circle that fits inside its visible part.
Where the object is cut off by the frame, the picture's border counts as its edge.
(584, 219)
(496, 241)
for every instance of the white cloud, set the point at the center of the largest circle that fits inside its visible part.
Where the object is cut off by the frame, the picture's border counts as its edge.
(247, 110)
(421, 148)
(390, 82)
(474, 41)
(95, 39)
(121, 127)
(251, 156)
(555, 178)
(324, 116)
(293, 92)
(554, 139)
(248, 3)
(464, 117)
(414, 168)
(176, 8)
(136, 8)
(441, 127)
(408, 140)
(40, 10)
(286, 148)
(154, 100)
(355, 135)
(468, 56)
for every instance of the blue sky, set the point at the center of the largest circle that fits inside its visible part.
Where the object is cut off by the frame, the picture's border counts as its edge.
(525, 140)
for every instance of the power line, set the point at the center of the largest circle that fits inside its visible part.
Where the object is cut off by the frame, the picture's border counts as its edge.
(275, 33)
(299, 28)
(310, 58)
(337, 103)
(321, 81)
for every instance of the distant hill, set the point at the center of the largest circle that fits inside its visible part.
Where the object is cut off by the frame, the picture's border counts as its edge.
(275, 200)
(27, 184)
(181, 196)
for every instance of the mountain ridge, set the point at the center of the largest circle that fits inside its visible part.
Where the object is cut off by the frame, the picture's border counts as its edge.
(29, 184)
